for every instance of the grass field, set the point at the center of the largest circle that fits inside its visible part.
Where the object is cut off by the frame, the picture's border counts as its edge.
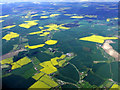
(32, 33)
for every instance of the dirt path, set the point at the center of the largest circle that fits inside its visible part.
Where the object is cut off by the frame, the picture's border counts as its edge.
(11, 54)
(109, 49)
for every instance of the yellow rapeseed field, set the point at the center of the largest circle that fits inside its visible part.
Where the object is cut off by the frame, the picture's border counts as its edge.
(44, 30)
(64, 27)
(45, 64)
(46, 79)
(35, 46)
(24, 61)
(97, 38)
(27, 16)
(10, 36)
(52, 27)
(21, 62)
(4, 16)
(41, 27)
(45, 34)
(8, 27)
(53, 15)
(77, 17)
(61, 62)
(108, 20)
(34, 15)
(48, 67)
(115, 86)
(62, 56)
(44, 16)
(37, 76)
(44, 82)
(39, 84)
(54, 61)
(55, 27)
(48, 70)
(116, 18)
(7, 61)
(15, 65)
(28, 24)
(2, 21)
(51, 42)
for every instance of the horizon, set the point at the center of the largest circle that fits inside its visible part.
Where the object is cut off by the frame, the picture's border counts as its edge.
(8, 1)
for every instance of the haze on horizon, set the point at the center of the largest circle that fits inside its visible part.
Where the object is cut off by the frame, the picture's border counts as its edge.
(59, 1)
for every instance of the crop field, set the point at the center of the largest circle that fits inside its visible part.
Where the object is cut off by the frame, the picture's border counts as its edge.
(57, 45)
(20, 63)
